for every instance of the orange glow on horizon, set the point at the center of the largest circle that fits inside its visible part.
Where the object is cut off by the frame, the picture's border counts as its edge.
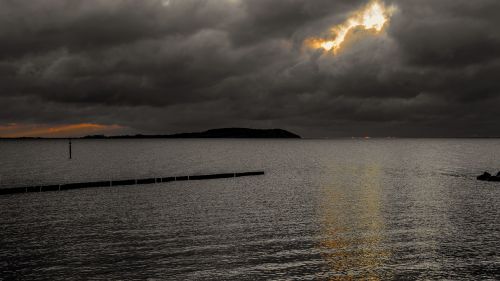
(68, 130)
(373, 16)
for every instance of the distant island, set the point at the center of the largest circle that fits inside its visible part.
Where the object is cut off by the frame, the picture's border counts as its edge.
(237, 133)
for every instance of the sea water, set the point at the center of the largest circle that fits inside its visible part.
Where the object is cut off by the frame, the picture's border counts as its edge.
(343, 209)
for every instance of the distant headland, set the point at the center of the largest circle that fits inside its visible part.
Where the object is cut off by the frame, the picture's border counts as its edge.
(214, 133)
(236, 133)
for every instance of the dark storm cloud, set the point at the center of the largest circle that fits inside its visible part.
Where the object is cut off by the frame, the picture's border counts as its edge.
(448, 33)
(176, 65)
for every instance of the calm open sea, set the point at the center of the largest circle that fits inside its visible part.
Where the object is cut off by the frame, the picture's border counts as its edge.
(374, 209)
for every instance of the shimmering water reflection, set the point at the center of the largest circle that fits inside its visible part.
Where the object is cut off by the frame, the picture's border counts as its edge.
(352, 243)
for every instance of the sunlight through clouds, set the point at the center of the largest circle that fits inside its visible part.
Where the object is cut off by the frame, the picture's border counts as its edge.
(374, 17)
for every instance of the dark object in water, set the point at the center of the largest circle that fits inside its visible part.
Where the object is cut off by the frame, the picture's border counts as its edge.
(484, 177)
(123, 182)
(488, 177)
(249, 174)
(214, 176)
(78, 185)
(146, 181)
(494, 178)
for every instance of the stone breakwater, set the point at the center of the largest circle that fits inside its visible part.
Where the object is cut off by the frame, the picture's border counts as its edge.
(123, 182)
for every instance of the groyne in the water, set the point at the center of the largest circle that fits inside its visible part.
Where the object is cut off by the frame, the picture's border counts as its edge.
(123, 182)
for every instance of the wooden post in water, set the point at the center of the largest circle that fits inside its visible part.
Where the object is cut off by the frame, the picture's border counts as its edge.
(69, 148)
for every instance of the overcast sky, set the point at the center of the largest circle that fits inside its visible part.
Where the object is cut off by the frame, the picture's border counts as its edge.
(165, 66)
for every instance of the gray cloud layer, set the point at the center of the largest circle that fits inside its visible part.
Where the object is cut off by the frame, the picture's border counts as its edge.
(181, 65)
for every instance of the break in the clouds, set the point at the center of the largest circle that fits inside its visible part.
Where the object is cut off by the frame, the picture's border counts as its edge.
(412, 68)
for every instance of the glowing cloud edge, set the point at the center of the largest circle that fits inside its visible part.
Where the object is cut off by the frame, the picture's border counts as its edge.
(373, 16)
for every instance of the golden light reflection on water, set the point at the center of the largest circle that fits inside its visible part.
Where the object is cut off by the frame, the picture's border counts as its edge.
(353, 227)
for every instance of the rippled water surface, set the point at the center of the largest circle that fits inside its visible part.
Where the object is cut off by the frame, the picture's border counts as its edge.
(325, 210)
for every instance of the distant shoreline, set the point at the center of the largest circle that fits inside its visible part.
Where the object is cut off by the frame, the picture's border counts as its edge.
(228, 133)
(145, 137)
